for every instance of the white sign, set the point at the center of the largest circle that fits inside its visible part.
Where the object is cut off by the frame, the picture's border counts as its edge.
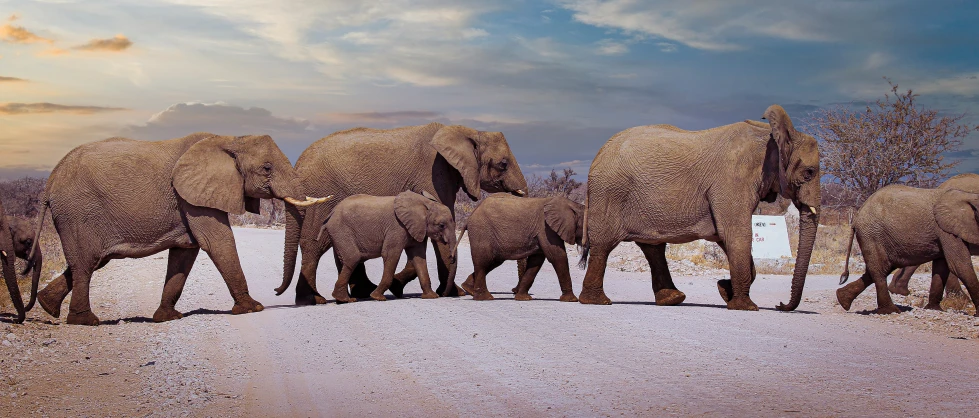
(770, 237)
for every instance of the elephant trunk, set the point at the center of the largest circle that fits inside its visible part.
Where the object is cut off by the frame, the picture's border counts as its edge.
(34, 264)
(294, 225)
(808, 224)
(7, 258)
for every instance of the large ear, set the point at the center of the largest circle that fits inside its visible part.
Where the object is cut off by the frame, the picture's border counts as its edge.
(955, 212)
(781, 126)
(207, 175)
(456, 146)
(410, 209)
(561, 217)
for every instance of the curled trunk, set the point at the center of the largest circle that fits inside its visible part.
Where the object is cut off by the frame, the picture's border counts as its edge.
(808, 223)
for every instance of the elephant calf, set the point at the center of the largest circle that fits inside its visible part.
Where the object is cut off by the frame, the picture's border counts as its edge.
(22, 235)
(505, 227)
(362, 227)
(902, 226)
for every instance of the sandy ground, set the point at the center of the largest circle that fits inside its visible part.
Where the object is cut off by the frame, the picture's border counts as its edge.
(458, 357)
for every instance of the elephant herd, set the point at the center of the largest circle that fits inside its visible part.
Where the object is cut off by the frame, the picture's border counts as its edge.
(369, 193)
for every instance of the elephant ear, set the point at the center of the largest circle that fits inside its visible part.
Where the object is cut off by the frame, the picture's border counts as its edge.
(956, 214)
(561, 217)
(410, 209)
(781, 126)
(460, 151)
(207, 175)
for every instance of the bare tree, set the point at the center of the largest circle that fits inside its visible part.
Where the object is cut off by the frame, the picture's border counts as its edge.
(894, 140)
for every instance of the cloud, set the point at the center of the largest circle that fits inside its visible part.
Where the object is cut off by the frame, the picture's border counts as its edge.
(959, 85)
(381, 117)
(114, 44)
(19, 35)
(610, 47)
(33, 108)
(11, 80)
(666, 46)
(185, 118)
(53, 52)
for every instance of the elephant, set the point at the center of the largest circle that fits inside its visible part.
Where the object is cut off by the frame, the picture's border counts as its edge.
(968, 182)
(22, 234)
(123, 198)
(659, 184)
(433, 158)
(363, 227)
(504, 227)
(900, 226)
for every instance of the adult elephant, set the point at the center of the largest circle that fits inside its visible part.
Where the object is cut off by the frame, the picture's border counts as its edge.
(968, 182)
(22, 236)
(659, 184)
(7, 260)
(121, 198)
(432, 158)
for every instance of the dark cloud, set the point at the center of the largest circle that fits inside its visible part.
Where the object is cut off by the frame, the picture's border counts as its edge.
(11, 79)
(31, 108)
(114, 44)
(220, 118)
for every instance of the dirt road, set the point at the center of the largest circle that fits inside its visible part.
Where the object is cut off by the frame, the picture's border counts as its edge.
(458, 357)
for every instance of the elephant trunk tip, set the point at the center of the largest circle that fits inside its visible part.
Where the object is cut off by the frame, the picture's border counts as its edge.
(279, 290)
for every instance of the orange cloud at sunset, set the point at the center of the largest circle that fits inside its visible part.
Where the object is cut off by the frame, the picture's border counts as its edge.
(32, 108)
(18, 35)
(114, 44)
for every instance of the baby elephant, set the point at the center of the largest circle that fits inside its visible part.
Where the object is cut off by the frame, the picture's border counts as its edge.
(505, 227)
(363, 227)
(22, 233)
(900, 226)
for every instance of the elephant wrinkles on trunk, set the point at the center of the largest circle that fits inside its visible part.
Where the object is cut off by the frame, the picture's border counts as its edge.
(23, 236)
(657, 185)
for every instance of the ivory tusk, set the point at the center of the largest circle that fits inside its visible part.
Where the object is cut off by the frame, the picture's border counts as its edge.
(310, 201)
(4, 254)
(520, 192)
(813, 210)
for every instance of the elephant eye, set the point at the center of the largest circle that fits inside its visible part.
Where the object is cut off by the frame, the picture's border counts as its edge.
(503, 165)
(808, 174)
(267, 167)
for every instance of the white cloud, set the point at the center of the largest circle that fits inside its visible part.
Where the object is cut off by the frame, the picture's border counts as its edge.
(220, 118)
(959, 85)
(666, 46)
(610, 47)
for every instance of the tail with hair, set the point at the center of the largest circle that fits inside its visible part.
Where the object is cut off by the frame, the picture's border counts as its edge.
(846, 265)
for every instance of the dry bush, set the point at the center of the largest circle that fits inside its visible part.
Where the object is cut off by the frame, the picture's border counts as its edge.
(273, 216)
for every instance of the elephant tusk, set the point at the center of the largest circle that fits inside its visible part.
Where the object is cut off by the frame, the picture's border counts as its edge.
(520, 192)
(310, 201)
(813, 210)
(4, 254)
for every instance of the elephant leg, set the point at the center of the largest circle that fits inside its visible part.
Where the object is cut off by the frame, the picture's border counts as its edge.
(416, 255)
(884, 303)
(939, 277)
(340, 293)
(360, 285)
(663, 287)
(953, 287)
(738, 250)
(405, 276)
(521, 269)
(54, 294)
(80, 308)
(447, 272)
(960, 264)
(532, 267)
(480, 291)
(846, 294)
(390, 259)
(213, 233)
(901, 279)
(181, 260)
(593, 287)
(306, 293)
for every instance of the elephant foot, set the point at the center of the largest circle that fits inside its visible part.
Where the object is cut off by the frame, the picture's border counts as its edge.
(342, 297)
(669, 297)
(454, 291)
(934, 307)
(514, 290)
(246, 305)
(887, 310)
(83, 318)
(430, 295)
(397, 288)
(362, 290)
(50, 303)
(320, 300)
(166, 314)
(306, 300)
(742, 304)
(725, 288)
(378, 296)
(594, 297)
(484, 295)
(568, 297)
(522, 296)
(845, 296)
(898, 290)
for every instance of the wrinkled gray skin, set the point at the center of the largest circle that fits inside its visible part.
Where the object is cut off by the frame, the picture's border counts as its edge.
(121, 198)
(433, 158)
(363, 227)
(968, 182)
(658, 184)
(900, 226)
(504, 227)
(22, 233)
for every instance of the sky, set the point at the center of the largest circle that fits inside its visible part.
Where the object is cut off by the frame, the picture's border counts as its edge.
(557, 77)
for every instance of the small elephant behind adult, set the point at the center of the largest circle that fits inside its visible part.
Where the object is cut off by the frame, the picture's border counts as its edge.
(900, 226)
(22, 235)
(966, 182)
(362, 227)
(505, 227)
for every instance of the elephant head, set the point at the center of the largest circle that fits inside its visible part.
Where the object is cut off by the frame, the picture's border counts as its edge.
(484, 160)
(423, 216)
(232, 174)
(791, 169)
(956, 213)
(23, 234)
(7, 259)
(566, 218)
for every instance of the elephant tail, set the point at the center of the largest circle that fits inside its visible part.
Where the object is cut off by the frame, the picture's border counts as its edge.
(846, 264)
(294, 226)
(585, 244)
(37, 235)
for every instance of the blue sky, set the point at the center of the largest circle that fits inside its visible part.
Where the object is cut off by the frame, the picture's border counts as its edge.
(558, 77)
